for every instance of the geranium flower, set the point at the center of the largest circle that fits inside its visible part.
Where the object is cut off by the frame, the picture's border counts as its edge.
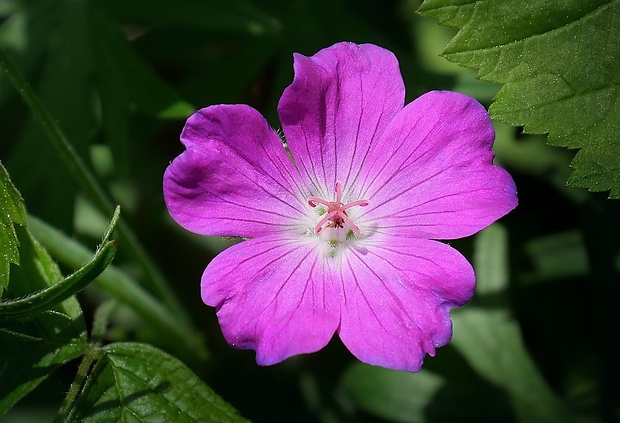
(341, 227)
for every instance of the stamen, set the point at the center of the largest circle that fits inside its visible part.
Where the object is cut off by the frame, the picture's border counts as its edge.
(352, 225)
(319, 226)
(361, 203)
(314, 200)
(336, 215)
(338, 193)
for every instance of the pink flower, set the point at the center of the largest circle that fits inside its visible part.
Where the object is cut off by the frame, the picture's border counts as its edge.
(341, 229)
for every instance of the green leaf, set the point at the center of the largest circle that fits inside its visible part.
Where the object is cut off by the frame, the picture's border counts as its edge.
(421, 397)
(139, 383)
(398, 396)
(32, 349)
(558, 61)
(490, 339)
(12, 211)
(44, 299)
(557, 256)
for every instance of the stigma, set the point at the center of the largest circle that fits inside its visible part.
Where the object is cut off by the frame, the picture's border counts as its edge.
(336, 215)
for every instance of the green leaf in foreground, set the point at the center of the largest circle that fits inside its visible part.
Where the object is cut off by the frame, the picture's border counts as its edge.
(139, 383)
(12, 212)
(559, 63)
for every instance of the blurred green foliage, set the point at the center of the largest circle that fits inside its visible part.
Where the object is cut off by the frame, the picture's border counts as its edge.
(539, 342)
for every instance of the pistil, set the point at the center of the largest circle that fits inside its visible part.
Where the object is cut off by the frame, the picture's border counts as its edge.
(336, 214)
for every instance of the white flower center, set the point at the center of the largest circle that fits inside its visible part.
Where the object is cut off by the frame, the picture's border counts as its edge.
(335, 220)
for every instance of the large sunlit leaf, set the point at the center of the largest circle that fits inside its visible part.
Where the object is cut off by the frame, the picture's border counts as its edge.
(139, 383)
(490, 339)
(559, 63)
(12, 212)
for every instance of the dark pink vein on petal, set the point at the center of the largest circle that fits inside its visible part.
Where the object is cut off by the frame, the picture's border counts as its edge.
(391, 214)
(404, 164)
(391, 293)
(363, 294)
(288, 176)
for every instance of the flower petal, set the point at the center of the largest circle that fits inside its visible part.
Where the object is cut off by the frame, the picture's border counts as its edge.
(235, 177)
(432, 173)
(275, 295)
(397, 298)
(340, 100)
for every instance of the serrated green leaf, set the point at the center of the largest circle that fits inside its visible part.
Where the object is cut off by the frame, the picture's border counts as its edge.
(490, 339)
(12, 211)
(558, 61)
(139, 383)
(32, 349)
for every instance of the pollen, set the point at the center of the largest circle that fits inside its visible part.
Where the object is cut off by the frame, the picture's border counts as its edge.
(335, 215)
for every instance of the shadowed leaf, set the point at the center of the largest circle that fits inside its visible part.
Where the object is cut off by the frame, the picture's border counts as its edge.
(139, 383)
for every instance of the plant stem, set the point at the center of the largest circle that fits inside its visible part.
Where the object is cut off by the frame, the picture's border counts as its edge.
(93, 353)
(91, 356)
